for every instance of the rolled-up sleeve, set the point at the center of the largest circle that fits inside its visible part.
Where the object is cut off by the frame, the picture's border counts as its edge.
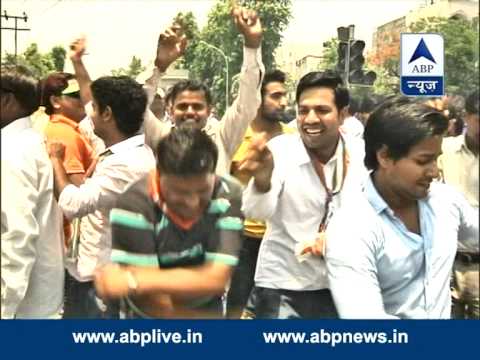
(96, 193)
(244, 109)
(259, 205)
(468, 235)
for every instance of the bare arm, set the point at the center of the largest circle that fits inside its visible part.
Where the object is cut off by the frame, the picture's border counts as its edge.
(77, 49)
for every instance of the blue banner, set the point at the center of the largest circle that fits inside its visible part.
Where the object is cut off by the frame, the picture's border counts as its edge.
(238, 339)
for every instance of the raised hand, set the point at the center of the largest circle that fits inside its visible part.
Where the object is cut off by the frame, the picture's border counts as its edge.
(56, 150)
(259, 163)
(171, 45)
(249, 25)
(77, 48)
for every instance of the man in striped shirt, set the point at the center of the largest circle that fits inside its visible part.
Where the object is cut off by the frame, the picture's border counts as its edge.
(176, 234)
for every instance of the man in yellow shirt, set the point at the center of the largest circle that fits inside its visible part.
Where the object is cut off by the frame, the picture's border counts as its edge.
(459, 168)
(269, 121)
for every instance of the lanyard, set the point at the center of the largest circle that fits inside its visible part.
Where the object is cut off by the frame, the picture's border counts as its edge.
(336, 186)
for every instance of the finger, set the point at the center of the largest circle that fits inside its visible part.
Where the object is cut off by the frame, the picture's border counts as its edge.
(306, 250)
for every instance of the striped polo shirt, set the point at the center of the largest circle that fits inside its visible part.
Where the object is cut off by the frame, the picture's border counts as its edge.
(145, 233)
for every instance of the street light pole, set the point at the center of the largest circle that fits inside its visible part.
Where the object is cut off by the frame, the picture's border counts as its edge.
(225, 57)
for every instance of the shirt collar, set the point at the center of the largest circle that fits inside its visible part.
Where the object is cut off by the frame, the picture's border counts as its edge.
(304, 158)
(56, 118)
(131, 142)
(17, 126)
(374, 198)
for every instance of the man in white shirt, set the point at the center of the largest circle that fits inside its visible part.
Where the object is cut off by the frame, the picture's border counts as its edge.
(32, 256)
(191, 100)
(390, 249)
(459, 167)
(313, 172)
(118, 108)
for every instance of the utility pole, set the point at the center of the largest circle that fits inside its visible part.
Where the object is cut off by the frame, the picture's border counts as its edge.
(16, 28)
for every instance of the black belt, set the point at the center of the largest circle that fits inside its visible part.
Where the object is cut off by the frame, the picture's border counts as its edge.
(468, 258)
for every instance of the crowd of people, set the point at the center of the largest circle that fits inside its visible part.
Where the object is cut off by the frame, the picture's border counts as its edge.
(120, 200)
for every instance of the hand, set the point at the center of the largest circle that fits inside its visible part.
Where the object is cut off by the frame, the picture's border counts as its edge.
(77, 49)
(259, 163)
(439, 105)
(171, 45)
(111, 282)
(56, 150)
(318, 246)
(249, 25)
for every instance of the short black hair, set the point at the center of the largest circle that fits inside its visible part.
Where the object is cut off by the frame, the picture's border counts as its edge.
(125, 97)
(400, 123)
(23, 87)
(471, 104)
(187, 151)
(272, 76)
(329, 79)
(191, 85)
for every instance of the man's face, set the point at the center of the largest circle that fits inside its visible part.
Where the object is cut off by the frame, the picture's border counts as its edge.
(71, 106)
(187, 197)
(473, 128)
(191, 108)
(410, 176)
(274, 102)
(97, 120)
(318, 118)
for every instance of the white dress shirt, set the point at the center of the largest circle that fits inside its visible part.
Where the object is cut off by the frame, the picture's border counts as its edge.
(126, 163)
(353, 127)
(227, 133)
(32, 234)
(293, 210)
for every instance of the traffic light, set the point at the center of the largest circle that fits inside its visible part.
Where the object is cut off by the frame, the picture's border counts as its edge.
(351, 51)
(356, 73)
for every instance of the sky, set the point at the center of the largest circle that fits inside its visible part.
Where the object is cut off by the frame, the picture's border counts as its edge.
(118, 29)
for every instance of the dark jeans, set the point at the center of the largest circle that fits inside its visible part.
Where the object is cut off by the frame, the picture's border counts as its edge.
(243, 277)
(267, 303)
(81, 301)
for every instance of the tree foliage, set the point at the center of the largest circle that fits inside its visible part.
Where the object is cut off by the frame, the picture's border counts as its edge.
(133, 70)
(40, 65)
(330, 54)
(208, 65)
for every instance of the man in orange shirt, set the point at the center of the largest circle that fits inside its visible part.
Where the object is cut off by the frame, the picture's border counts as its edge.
(60, 95)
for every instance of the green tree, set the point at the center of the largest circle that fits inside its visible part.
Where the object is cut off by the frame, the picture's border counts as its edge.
(208, 65)
(190, 27)
(134, 69)
(40, 65)
(330, 54)
(58, 54)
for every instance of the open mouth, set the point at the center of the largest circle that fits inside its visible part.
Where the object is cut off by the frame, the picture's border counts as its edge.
(313, 132)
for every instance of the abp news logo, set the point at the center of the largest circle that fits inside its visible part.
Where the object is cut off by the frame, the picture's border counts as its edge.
(422, 64)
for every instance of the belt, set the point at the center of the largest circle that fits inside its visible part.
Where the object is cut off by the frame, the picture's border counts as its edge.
(468, 258)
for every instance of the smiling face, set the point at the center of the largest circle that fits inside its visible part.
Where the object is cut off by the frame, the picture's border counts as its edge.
(318, 118)
(410, 176)
(190, 108)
